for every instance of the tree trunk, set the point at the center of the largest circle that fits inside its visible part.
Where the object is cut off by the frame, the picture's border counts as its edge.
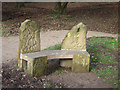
(20, 4)
(64, 6)
(60, 7)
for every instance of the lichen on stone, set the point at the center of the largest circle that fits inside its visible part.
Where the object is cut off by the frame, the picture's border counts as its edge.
(76, 38)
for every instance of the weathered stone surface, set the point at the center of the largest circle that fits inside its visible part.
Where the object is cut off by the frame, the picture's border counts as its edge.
(66, 63)
(35, 67)
(52, 54)
(40, 66)
(81, 63)
(76, 38)
(29, 39)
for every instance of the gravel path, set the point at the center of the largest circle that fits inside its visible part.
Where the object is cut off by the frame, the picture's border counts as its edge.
(10, 44)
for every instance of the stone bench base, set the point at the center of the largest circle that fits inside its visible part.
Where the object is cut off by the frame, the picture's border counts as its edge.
(35, 67)
(36, 63)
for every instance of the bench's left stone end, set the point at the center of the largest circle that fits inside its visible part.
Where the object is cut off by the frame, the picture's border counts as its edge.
(29, 39)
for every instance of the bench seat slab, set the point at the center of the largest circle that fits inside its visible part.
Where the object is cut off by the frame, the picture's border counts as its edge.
(36, 63)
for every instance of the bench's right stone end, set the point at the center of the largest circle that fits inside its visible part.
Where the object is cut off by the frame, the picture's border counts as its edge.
(80, 63)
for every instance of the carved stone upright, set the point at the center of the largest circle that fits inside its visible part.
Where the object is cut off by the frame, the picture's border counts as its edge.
(29, 39)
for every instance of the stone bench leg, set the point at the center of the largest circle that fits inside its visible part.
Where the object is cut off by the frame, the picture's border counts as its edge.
(35, 67)
(80, 63)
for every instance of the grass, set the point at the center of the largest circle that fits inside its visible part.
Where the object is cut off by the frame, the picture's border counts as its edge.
(58, 17)
(49, 18)
(103, 56)
(47, 84)
(104, 59)
(59, 72)
(56, 47)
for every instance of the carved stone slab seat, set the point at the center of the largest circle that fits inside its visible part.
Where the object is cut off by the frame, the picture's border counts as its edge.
(36, 63)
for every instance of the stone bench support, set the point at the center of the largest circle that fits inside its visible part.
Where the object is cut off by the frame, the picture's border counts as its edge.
(80, 63)
(36, 63)
(36, 66)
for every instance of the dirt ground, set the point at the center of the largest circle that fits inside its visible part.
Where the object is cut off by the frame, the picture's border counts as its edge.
(98, 17)
(102, 17)
(12, 78)
(78, 80)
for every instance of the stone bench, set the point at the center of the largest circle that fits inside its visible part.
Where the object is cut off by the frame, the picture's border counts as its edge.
(36, 63)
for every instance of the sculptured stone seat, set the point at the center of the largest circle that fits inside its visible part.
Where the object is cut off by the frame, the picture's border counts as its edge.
(36, 63)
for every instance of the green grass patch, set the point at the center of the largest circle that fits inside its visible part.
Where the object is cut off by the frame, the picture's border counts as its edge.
(108, 59)
(49, 18)
(58, 17)
(108, 42)
(56, 47)
(68, 17)
(103, 53)
(110, 74)
(47, 84)
(59, 72)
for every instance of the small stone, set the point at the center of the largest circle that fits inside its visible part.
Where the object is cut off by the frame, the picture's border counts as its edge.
(35, 78)
(12, 81)
(43, 79)
(23, 75)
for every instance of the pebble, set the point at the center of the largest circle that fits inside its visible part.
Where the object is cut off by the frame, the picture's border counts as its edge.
(43, 79)
(23, 75)
(35, 78)
(12, 81)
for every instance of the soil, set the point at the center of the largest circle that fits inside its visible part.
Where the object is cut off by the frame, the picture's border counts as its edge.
(100, 17)
(13, 78)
